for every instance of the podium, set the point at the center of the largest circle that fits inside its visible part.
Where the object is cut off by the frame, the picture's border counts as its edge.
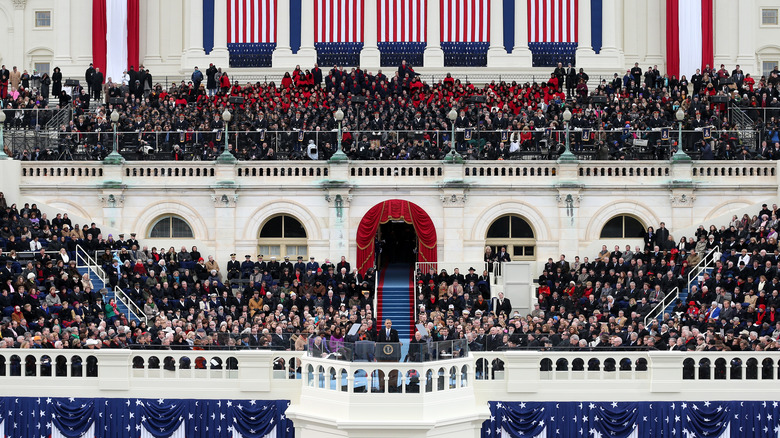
(388, 352)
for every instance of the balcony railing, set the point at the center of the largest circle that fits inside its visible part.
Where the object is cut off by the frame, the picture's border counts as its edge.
(399, 173)
(499, 373)
(314, 144)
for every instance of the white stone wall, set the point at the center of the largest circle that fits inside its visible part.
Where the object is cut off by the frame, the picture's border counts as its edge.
(461, 199)
(634, 32)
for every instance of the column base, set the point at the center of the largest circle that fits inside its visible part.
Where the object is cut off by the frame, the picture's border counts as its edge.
(523, 56)
(497, 57)
(152, 60)
(194, 58)
(747, 63)
(370, 57)
(285, 58)
(612, 57)
(219, 56)
(65, 63)
(653, 60)
(307, 57)
(586, 58)
(433, 57)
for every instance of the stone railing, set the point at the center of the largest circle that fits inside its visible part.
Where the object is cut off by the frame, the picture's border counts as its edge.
(93, 372)
(475, 173)
(387, 377)
(498, 375)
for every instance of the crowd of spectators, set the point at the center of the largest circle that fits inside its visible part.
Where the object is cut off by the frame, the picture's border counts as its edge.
(192, 301)
(735, 306)
(294, 119)
(188, 300)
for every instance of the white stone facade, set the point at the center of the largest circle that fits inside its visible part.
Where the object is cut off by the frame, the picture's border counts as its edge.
(634, 32)
(461, 199)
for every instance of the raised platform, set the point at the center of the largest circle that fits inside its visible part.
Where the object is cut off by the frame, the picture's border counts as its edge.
(429, 398)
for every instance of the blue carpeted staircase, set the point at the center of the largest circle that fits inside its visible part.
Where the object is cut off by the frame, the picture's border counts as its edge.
(395, 298)
(98, 283)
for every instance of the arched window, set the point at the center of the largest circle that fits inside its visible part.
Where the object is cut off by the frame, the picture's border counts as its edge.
(515, 233)
(170, 227)
(622, 227)
(281, 236)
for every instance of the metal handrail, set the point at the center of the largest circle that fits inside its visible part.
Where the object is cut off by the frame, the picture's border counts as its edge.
(698, 268)
(668, 299)
(62, 116)
(92, 265)
(675, 293)
(132, 307)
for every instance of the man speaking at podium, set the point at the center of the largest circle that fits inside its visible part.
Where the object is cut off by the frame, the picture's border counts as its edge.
(388, 353)
(388, 334)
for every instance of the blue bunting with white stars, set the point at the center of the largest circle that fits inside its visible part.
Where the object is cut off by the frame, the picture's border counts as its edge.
(28, 417)
(674, 419)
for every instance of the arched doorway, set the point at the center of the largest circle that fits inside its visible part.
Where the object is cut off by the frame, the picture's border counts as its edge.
(396, 213)
(412, 231)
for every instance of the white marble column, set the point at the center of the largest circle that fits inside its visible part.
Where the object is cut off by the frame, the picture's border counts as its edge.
(194, 55)
(370, 56)
(307, 55)
(746, 48)
(17, 48)
(62, 28)
(80, 30)
(655, 30)
(520, 52)
(220, 50)
(632, 45)
(282, 56)
(497, 56)
(152, 37)
(726, 15)
(585, 56)
(610, 54)
(433, 55)
(193, 11)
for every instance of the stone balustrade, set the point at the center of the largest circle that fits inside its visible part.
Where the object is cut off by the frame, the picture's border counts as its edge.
(401, 173)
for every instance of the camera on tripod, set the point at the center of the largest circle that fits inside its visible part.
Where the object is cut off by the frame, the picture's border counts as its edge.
(311, 150)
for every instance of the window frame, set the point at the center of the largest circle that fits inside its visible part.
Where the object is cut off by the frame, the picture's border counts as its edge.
(288, 246)
(765, 61)
(35, 19)
(623, 233)
(527, 245)
(48, 68)
(170, 235)
(777, 17)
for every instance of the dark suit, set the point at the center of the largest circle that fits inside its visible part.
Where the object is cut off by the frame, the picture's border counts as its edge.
(502, 306)
(383, 336)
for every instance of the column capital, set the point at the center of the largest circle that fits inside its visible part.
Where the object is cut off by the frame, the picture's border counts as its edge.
(224, 198)
(337, 199)
(111, 200)
(454, 199)
(682, 199)
(20, 4)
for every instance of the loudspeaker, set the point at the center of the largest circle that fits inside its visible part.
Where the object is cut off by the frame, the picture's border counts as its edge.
(726, 81)
(358, 99)
(236, 100)
(477, 99)
(598, 100)
(71, 82)
(719, 99)
(116, 101)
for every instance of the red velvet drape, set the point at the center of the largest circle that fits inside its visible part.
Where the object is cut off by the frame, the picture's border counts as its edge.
(707, 34)
(395, 209)
(99, 29)
(133, 33)
(672, 38)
